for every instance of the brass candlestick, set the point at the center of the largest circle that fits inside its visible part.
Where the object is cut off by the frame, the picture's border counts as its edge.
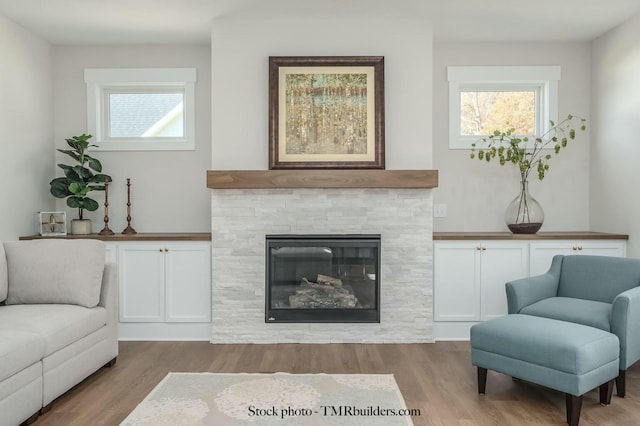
(106, 230)
(129, 229)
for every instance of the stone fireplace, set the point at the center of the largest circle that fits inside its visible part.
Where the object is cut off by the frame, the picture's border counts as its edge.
(243, 218)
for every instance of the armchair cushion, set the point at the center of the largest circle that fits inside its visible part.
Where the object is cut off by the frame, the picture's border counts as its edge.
(55, 271)
(579, 311)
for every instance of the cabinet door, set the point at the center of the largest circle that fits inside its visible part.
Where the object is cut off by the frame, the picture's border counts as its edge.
(603, 248)
(541, 254)
(188, 282)
(500, 262)
(141, 275)
(456, 281)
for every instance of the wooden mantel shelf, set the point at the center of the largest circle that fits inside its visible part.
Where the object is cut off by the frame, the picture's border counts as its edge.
(368, 178)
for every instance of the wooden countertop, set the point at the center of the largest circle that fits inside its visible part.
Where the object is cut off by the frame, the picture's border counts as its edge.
(568, 235)
(158, 236)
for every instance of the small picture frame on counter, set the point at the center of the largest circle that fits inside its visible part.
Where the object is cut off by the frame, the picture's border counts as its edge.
(51, 224)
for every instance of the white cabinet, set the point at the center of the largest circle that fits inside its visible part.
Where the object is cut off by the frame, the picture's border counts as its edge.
(542, 252)
(469, 278)
(164, 282)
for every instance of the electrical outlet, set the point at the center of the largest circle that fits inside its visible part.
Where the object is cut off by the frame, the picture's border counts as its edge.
(439, 210)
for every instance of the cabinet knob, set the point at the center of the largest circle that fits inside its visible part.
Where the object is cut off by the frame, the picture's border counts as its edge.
(484, 248)
(167, 250)
(478, 248)
(161, 250)
(580, 248)
(574, 248)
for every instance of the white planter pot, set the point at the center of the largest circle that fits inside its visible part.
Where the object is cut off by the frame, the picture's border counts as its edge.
(81, 226)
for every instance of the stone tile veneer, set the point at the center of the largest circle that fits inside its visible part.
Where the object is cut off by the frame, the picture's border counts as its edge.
(242, 217)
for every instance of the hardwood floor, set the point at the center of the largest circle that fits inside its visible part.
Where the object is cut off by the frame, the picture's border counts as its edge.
(436, 378)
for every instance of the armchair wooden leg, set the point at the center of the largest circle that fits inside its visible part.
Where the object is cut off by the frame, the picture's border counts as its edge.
(574, 405)
(482, 380)
(606, 390)
(621, 383)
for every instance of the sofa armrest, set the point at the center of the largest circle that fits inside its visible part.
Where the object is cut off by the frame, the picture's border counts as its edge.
(109, 300)
(109, 292)
(625, 318)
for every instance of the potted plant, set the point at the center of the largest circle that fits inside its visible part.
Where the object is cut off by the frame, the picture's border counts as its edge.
(79, 180)
(524, 214)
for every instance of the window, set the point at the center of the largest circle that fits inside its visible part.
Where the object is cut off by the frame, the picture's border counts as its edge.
(141, 109)
(485, 99)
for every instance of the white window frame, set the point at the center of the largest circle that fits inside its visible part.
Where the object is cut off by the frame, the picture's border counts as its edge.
(543, 80)
(103, 81)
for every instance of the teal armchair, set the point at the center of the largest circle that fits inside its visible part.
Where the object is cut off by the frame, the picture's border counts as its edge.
(598, 291)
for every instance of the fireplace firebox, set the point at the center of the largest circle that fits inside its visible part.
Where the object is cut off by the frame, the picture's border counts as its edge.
(322, 278)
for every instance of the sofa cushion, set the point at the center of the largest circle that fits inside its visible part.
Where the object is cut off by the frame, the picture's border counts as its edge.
(579, 311)
(598, 278)
(55, 271)
(58, 325)
(3, 274)
(18, 350)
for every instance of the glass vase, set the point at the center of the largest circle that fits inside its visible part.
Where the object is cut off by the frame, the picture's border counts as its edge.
(524, 214)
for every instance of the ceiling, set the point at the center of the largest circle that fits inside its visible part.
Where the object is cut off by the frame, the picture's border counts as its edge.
(63, 22)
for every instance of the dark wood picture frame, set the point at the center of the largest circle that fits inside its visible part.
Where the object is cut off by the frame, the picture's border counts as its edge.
(350, 88)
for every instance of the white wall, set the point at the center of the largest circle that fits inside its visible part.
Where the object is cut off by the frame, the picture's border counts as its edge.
(240, 50)
(476, 193)
(615, 171)
(26, 124)
(168, 188)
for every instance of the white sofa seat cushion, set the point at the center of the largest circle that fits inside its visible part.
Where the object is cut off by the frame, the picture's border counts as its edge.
(59, 325)
(55, 271)
(18, 350)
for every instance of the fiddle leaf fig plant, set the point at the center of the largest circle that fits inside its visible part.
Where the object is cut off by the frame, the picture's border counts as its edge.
(80, 178)
(508, 147)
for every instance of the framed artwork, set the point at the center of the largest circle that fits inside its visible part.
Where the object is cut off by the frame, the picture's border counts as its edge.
(326, 112)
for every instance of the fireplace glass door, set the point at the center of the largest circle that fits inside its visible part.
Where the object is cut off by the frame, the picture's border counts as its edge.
(322, 278)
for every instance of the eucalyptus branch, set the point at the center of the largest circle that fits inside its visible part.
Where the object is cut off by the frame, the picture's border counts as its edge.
(511, 148)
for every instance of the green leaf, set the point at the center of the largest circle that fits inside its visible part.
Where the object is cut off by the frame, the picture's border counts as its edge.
(91, 204)
(95, 164)
(83, 172)
(60, 187)
(100, 178)
(79, 189)
(75, 202)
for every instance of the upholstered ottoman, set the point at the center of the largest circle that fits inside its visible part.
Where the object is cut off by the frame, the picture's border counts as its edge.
(564, 356)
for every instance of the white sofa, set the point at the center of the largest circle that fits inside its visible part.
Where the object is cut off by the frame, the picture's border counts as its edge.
(58, 321)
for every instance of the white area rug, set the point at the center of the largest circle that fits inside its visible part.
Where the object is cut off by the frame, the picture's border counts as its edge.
(273, 399)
